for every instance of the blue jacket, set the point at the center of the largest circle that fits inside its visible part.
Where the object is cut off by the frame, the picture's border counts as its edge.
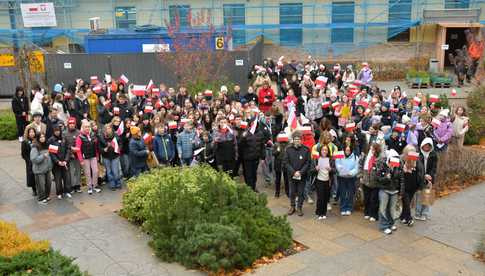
(186, 143)
(138, 153)
(163, 147)
(348, 166)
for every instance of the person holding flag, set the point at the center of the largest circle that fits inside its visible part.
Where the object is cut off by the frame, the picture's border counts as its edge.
(59, 153)
(225, 146)
(110, 148)
(70, 135)
(347, 165)
(413, 180)
(41, 167)
(88, 155)
(138, 152)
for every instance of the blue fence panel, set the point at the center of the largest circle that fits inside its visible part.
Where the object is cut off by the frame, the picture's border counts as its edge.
(182, 11)
(235, 15)
(399, 14)
(291, 13)
(343, 13)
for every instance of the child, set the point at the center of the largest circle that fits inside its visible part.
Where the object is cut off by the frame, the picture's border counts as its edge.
(186, 143)
(138, 152)
(429, 159)
(163, 146)
(323, 183)
(208, 154)
(110, 147)
(279, 151)
(41, 167)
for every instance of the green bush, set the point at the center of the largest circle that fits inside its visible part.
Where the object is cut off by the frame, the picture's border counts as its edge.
(8, 127)
(39, 263)
(202, 218)
(476, 113)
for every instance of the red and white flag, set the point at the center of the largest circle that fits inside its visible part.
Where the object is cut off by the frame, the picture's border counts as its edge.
(184, 121)
(453, 92)
(282, 138)
(394, 109)
(306, 129)
(138, 90)
(350, 127)
(172, 125)
(121, 129)
(400, 127)
(147, 137)
(412, 155)
(243, 125)
(148, 109)
(435, 123)
(326, 105)
(338, 155)
(156, 91)
(321, 82)
(124, 79)
(53, 149)
(335, 105)
(416, 100)
(363, 103)
(107, 78)
(150, 85)
(114, 144)
(97, 88)
(292, 119)
(94, 80)
(107, 104)
(75, 149)
(116, 110)
(352, 91)
(434, 98)
(358, 82)
(315, 155)
(208, 93)
(254, 125)
(394, 162)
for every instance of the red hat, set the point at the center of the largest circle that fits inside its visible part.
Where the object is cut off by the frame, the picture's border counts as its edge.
(71, 120)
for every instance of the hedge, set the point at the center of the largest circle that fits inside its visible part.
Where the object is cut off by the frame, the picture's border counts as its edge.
(8, 127)
(476, 112)
(203, 219)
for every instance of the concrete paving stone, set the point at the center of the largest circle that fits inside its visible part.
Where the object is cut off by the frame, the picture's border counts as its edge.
(400, 264)
(349, 241)
(320, 227)
(390, 243)
(63, 207)
(4, 208)
(413, 254)
(284, 266)
(31, 207)
(105, 226)
(440, 249)
(447, 266)
(16, 216)
(321, 245)
(326, 267)
(309, 257)
(369, 268)
(99, 264)
(176, 269)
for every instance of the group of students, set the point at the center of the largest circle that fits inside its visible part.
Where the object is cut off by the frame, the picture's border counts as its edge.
(322, 131)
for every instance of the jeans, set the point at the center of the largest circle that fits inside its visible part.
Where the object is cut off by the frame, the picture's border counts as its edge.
(43, 183)
(309, 187)
(62, 179)
(407, 197)
(421, 210)
(346, 191)
(75, 173)
(279, 173)
(125, 165)
(113, 173)
(297, 188)
(91, 172)
(371, 201)
(250, 171)
(323, 196)
(335, 185)
(268, 165)
(387, 209)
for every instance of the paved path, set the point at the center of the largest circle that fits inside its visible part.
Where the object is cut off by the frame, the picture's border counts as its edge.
(86, 227)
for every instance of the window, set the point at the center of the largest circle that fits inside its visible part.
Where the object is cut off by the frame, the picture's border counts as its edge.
(291, 13)
(399, 18)
(343, 14)
(235, 15)
(182, 11)
(125, 17)
(457, 4)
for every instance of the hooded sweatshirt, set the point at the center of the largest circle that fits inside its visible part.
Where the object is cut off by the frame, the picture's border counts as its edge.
(429, 159)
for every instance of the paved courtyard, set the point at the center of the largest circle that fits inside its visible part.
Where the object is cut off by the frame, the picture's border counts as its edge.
(88, 228)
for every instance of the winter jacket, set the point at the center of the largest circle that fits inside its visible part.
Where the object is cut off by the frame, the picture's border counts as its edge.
(250, 97)
(396, 144)
(81, 107)
(460, 126)
(415, 179)
(266, 98)
(138, 153)
(125, 111)
(297, 159)
(430, 160)
(87, 145)
(41, 164)
(253, 145)
(225, 146)
(186, 142)
(365, 76)
(164, 148)
(109, 144)
(20, 105)
(36, 104)
(51, 123)
(63, 151)
(279, 152)
(348, 166)
(208, 154)
(104, 115)
(443, 132)
(389, 179)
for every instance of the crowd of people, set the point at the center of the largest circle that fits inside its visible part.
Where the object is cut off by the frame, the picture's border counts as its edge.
(320, 132)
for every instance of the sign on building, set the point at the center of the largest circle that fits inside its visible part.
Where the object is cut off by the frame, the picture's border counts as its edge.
(38, 15)
(220, 43)
(156, 48)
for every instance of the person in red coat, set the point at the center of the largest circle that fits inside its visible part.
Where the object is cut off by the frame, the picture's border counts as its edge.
(266, 97)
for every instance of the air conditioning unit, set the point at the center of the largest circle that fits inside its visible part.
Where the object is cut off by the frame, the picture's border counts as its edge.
(94, 23)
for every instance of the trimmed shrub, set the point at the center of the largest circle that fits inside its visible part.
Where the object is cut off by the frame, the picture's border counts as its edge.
(8, 127)
(39, 263)
(476, 112)
(13, 242)
(202, 218)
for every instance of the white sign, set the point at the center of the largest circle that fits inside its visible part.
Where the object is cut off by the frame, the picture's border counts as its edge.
(156, 48)
(445, 47)
(239, 62)
(67, 65)
(38, 15)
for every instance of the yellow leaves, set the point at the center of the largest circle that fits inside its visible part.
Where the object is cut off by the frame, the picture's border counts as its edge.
(13, 241)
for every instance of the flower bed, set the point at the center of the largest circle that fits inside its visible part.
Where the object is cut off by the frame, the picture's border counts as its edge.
(203, 219)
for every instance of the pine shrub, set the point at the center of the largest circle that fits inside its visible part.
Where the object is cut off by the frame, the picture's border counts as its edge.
(8, 127)
(13, 242)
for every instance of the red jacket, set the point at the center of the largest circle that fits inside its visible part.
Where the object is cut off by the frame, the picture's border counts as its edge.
(266, 99)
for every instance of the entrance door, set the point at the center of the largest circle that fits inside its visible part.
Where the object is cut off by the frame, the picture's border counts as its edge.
(455, 38)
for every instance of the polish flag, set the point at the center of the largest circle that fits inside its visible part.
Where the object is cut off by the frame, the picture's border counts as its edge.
(453, 92)
(116, 110)
(138, 90)
(394, 109)
(75, 149)
(97, 88)
(53, 149)
(114, 144)
(416, 100)
(325, 105)
(94, 79)
(338, 155)
(363, 103)
(67, 95)
(349, 127)
(148, 109)
(208, 93)
(150, 85)
(292, 120)
(243, 125)
(121, 129)
(400, 127)
(124, 79)
(412, 155)
(172, 125)
(434, 98)
(335, 105)
(107, 78)
(158, 104)
(184, 121)
(352, 91)
(321, 82)
(147, 137)
(435, 122)
(254, 124)
(367, 111)
(282, 138)
(107, 103)
(394, 162)
(315, 155)
(358, 82)
(306, 129)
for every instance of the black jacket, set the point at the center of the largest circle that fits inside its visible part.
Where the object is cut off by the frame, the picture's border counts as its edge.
(106, 142)
(279, 152)
(63, 152)
(431, 165)
(125, 111)
(387, 178)
(81, 107)
(415, 180)
(297, 159)
(19, 105)
(253, 145)
(250, 97)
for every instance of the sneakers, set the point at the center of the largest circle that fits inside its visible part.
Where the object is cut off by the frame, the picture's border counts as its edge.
(421, 218)
(343, 213)
(310, 200)
(410, 223)
(366, 217)
(348, 213)
(322, 217)
(387, 231)
(59, 197)
(90, 191)
(403, 221)
(21, 139)
(43, 202)
(372, 219)
(78, 191)
(300, 212)
(97, 190)
(291, 211)
(68, 195)
(329, 207)
(394, 228)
